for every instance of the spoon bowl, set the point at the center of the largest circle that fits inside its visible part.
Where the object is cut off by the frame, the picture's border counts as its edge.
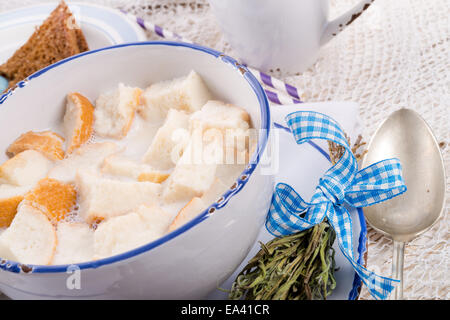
(406, 136)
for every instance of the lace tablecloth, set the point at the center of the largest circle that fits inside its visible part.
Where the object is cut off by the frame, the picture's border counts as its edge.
(396, 55)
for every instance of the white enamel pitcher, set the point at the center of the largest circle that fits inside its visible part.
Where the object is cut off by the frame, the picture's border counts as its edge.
(280, 34)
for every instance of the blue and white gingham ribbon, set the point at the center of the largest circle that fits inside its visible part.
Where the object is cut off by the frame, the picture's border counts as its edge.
(342, 185)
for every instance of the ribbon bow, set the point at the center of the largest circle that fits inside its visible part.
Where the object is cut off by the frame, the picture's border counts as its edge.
(341, 186)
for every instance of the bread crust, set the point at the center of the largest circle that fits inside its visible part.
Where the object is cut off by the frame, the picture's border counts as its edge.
(84, 121)
(48, 143)
(58, 37)
(54, 198)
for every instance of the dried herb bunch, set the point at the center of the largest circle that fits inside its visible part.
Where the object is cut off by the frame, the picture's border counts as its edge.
(295, 267)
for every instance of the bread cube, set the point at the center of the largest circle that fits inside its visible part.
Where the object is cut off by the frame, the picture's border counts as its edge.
(78, 121)
(87, 157)
(197, 204)
(10, 198)
(169, 141)
(119, 234)
(192, 176)
(117, 165)
(102, 198)
(25, 168)
(188, 181)
(54, 198)
(114, 111)
(48, 143)
(187, 93)
(31, 238)
(213, 194)
(189, 212)
(75, 243)
(219, 115)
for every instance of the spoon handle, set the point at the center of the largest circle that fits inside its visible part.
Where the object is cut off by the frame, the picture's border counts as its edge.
(397, 269)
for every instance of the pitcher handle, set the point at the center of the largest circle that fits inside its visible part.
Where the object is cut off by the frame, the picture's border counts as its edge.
(337, 25)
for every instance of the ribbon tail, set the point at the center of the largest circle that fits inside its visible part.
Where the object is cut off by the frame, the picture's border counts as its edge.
(379, 287)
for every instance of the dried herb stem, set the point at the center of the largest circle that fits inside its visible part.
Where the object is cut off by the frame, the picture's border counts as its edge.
(295, 267)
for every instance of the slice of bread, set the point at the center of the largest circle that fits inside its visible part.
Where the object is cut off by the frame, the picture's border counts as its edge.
(114, 111)
(78, 121)
(216, 114)
(119, 234)
(54, 198)
(156, 221)
(102, 198)
(75, 243)
(191, 177)
(48, 143)
(187, 93)
(10, 198)
(214, 192)
(227, 124)
(118, 165)
(57, 38)
(26, 168)
(31, 237)
(188, 181)
(192, 209)
(197, 204)
(87, 157)
(169, 142)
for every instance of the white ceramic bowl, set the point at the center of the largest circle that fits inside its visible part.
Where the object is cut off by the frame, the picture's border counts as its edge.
(188, 262)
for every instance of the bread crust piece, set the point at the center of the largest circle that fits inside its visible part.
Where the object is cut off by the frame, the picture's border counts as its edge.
(54, 198)
(57, 38)
(48, 143)
(78, 120)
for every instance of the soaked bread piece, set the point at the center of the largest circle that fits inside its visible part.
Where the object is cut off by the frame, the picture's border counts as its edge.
(31, 237)
(126, 232)
(102, 198)
(187, 93)
(118, 165)
(48, 143)
(114, 111)
(162, 153)
(87, 157)
(54, 198)
(78, 121)
(10, 198)
(75, 243)
(24, 169)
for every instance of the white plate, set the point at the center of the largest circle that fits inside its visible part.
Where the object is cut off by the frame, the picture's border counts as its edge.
(101, 26)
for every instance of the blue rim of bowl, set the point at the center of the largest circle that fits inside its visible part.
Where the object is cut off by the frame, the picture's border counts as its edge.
(240, 182)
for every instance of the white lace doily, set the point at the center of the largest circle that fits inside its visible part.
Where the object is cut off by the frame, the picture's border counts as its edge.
(396, 55)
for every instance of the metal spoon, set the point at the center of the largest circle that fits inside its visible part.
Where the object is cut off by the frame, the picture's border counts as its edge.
(406, 136)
